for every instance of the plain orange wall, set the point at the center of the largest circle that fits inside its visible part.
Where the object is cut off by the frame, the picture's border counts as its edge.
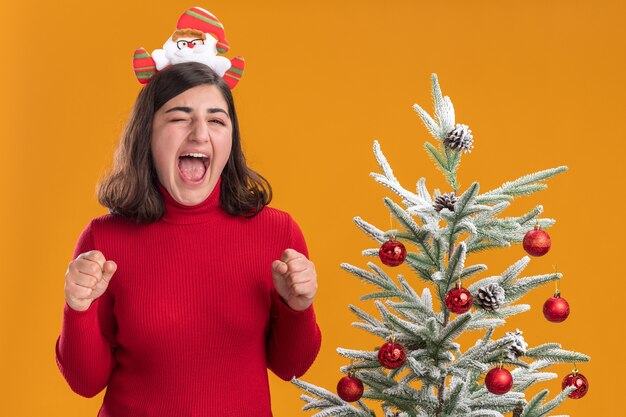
(541, 84)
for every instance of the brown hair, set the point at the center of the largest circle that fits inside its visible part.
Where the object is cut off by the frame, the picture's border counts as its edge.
(188, 33)
(130, 188)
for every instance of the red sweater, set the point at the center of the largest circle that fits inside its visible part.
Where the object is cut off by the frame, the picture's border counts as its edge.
(190, 321)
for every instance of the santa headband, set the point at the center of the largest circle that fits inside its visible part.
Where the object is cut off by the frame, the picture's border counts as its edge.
(199, 37)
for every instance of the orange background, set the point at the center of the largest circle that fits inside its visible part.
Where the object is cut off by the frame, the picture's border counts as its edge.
(541, 84)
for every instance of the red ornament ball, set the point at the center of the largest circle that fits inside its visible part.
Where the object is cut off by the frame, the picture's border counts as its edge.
(556, 309)
(536, 242)
(350, 389)
(391, 355)
(459, 300)
(499, 381)
(577, 380)
(392, 253)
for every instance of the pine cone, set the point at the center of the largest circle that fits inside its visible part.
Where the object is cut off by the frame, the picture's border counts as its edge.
(518, 348)
(415, 345)
(446, 200)
(460, 139)
(490, 297)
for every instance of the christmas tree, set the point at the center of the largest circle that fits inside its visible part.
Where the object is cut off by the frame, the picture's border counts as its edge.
(419, 370)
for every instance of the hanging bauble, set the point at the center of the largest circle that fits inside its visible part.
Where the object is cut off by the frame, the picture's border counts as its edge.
(577, 380)
(556, 308)
(499, 381)
(350, 388)
(536, 242)
(392, 252)
(391, 355)
(459, 300)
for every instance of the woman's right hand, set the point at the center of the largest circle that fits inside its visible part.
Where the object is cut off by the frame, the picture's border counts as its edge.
(87, 278)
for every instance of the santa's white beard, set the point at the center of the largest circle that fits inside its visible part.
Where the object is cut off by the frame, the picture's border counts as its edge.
(199, 53)
(205, 54)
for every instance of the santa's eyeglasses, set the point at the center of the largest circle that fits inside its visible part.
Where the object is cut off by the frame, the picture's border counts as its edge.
(190, 44)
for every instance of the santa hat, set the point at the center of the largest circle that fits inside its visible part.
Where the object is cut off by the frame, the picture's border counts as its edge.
(200, 19)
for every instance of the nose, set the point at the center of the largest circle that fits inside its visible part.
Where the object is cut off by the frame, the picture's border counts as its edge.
(191, 45)
(199, 131)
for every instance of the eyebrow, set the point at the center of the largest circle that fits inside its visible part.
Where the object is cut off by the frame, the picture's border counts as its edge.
(210, 110)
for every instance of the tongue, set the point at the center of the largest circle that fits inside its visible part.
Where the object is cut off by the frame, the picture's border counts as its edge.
(192, 168)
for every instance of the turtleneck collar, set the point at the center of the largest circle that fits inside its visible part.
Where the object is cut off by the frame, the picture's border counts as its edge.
(203, 212)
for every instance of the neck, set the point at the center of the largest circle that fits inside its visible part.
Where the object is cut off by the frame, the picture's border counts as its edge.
(204, 212)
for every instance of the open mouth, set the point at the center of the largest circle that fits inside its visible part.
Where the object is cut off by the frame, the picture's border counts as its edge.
(193, 167)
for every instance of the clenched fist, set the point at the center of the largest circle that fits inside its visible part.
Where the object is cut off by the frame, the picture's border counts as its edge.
(295, 279)
(87, 278)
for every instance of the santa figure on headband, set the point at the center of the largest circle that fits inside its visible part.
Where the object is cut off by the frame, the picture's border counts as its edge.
(199, 37)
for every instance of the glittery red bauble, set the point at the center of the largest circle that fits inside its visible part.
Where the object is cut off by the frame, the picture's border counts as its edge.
(556, 309)
(577, 380)
(459, 300)
(391, 355)
(350, 388)
(392, 253)
(499, 381)
(536, 242)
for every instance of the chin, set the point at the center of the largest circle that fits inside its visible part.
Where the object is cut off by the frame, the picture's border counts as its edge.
(191, 195)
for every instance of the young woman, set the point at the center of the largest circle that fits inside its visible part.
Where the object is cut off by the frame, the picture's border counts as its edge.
(180, 299)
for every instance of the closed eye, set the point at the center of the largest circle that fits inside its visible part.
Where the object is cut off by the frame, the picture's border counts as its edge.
(218, 121)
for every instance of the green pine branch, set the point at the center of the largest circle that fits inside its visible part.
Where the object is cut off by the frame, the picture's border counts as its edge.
(448, 380)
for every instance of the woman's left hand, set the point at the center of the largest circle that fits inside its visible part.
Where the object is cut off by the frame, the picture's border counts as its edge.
(295, 279)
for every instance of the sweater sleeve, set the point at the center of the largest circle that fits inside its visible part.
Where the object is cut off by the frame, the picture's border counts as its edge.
(295, 338)
(84, 349)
